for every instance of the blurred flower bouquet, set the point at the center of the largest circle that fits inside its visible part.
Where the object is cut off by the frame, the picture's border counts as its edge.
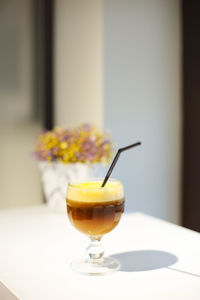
(70, 154)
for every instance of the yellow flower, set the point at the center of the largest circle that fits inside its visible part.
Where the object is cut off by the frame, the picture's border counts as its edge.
(63, 145)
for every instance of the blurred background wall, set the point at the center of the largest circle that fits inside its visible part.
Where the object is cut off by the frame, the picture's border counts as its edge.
(78, 62)
(19, 177)
(116, 64)
(142, 100)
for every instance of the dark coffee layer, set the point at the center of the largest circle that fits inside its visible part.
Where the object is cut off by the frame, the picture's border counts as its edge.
(95, 218)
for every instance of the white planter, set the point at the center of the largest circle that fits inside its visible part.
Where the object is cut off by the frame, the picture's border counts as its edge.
(56, 176)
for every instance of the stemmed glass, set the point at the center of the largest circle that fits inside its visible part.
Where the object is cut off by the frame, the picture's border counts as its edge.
(95, 211)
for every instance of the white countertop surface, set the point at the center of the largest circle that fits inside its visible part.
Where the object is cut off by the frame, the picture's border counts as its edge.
(159, 260)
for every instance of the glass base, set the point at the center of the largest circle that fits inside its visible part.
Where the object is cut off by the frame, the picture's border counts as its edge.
(91, 267)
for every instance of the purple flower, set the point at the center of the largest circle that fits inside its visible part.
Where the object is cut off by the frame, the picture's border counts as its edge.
(86, 127)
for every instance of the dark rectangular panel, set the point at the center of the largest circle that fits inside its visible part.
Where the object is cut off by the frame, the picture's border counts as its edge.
(43, 68)
(191, 114)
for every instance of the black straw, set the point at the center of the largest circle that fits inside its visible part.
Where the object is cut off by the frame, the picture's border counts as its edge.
(116, 159)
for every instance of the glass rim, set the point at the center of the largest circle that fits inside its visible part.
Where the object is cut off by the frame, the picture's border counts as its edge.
(73, 183)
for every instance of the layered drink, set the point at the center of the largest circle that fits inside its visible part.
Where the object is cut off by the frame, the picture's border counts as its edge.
(95, 210)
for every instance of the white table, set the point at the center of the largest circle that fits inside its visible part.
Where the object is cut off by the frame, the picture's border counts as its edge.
(159, 260)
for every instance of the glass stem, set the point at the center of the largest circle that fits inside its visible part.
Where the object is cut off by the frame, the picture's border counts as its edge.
(95, 250)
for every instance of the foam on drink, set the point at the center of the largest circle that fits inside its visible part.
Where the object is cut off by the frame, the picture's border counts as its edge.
(92, 191)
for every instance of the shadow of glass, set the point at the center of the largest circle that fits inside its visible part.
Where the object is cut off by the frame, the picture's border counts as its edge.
(145, 260)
